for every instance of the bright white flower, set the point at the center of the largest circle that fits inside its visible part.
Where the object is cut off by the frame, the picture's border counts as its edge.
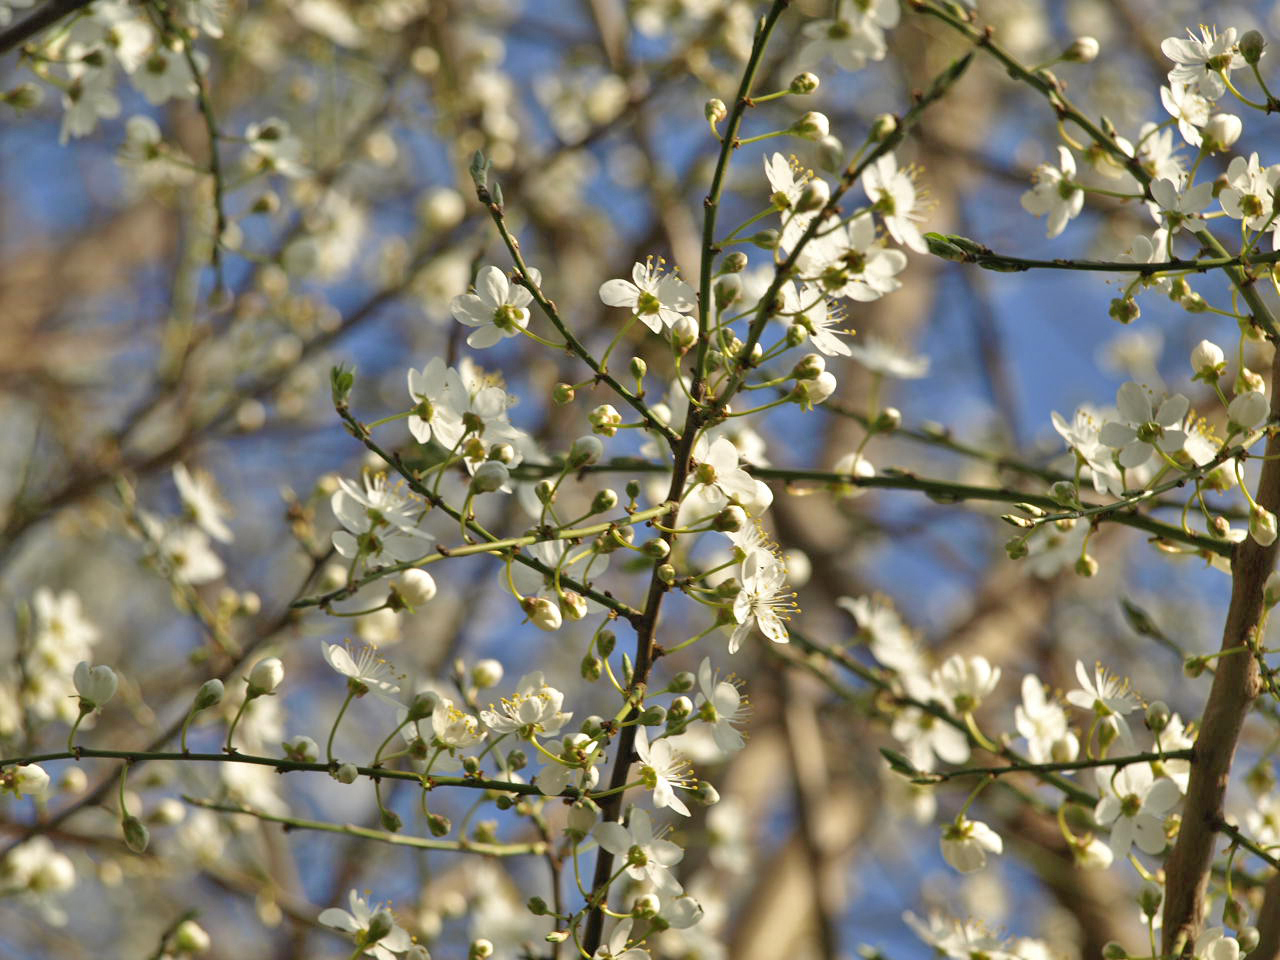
(1199, 60)
(959, 940)
(1107, 696)
(166, 74)
(717, 481)
(1133, 804)
(647, 856)
(379, 521)
(1054, 193)
(849, 42)
(436, 391)
(657, 299)
(1141, 429)
(966, 843)
(25, 780)
(358, 921)
(455, 729)
(925, 736)
(366, 673)
(1177, 208)
(615, 948)
(533, 710)
(200, 498)
(764, 599)
(578, 756)
(880, 356)
(90, 95)
(893, 195)
(1249, 191)
(1189, 108)
(1174, 736)
(853, 465)
(1081, 436)
(183, 548)
(887, 636)
(808, 310)
(723, 706)
(1214, 944)
(497, 309)
(1248, 411)
(1043, 724)
(272, 148)
(850, 261)
(96, 685)
(662, 769)
(965, 682)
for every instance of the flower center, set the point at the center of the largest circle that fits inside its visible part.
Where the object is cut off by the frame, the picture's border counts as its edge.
(647, 304)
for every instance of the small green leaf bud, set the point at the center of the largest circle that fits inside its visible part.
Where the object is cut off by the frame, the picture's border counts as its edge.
(1114, 950)
(537, 906)
(632, 489)
(391, 821)
(605, 640)
(1251, 48)
(438, 825)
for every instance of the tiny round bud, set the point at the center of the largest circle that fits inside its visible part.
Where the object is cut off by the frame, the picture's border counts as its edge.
(415, 587)
(654, 716)
(727, 289)
(210, 694)
(562, 393)
(681, 707)
(1124, 310)
(380, 925)
(1194, 665)
(346, 773)
(480, 950)
(1114, 950)
(1017, 548)
(803, 83)
(632, 489)
(684, 333)
(605, 419)
(585, 450)
(812, 126)
(95, 685)
(301, 749)
(882, 126)
(715, 111)
(265, 677)
(656, 549)
(489, 477)
(542, 613)
(604, 501)
(423, 705)
(591, 726)
(831, 154)
(537, 906)
(1262, 526)
(734, 262)
(666, 573)
(810, 367)
(1207, 360)
(1271, 590)
(706, 794)
(1157, 716)
(590, 668)
(729, 520)
(1082, 50)
(391, 821)
(683, 681)
(1086, 566)
(1251, 47)
(605, 641)
(136, 834)
(486, 674)
(765, 239)
(190, 937)
(1149, 899)
(1221, 132)
(889, 420)
(639, 368)
(1248, 938)
(813, 196)
(1065, 493)
(438, 825)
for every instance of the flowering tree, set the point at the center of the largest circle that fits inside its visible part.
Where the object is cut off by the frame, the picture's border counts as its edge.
(467, 419)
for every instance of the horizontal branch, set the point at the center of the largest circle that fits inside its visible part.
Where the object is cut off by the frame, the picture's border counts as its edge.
(537, 848)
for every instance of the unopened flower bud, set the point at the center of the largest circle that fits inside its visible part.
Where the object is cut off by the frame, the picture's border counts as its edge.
(810, 393)
(573, 605)
(813, 196)
(413, 588)
(489, 477)
(639, 368)
(765, 239)
(301, 749)
(544, 490)
(592, 726)
(1208, 361)
(480, 950)
(831, 154)
(1194, 665)
(542, 613)
(1221, 132)
(1247, 380)
(25, 96)
(1271, 590)
(604, 500)
(605, 641)
(656, 549)
(486, 674)
(1124, 310)
(705, 794)
(1157, 716)
(95, 685)
(582, 817)
(1082, 50)
(438, 825)
(605, 419)
(1065, 749)
(1248, 938)
(537, 906)
(562, 394)
(684, 333)
(654, 716)
(1149, 899)
(812, 126)
(346, 773)
(190, 937)
(680, 708)
(266, 677)
(727, 289)
(1086, 566)
(1251, 47)
(810, 367)
(585, 450)
(734, 262)
(889, 420)
(390, 820)
(646, 906)
(715, 111)
(209, 695)
(729, 520)
(666, 573)
(803, 83)
(1262, 526)
(1114, 950)
(503, 453)
(136, 834)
